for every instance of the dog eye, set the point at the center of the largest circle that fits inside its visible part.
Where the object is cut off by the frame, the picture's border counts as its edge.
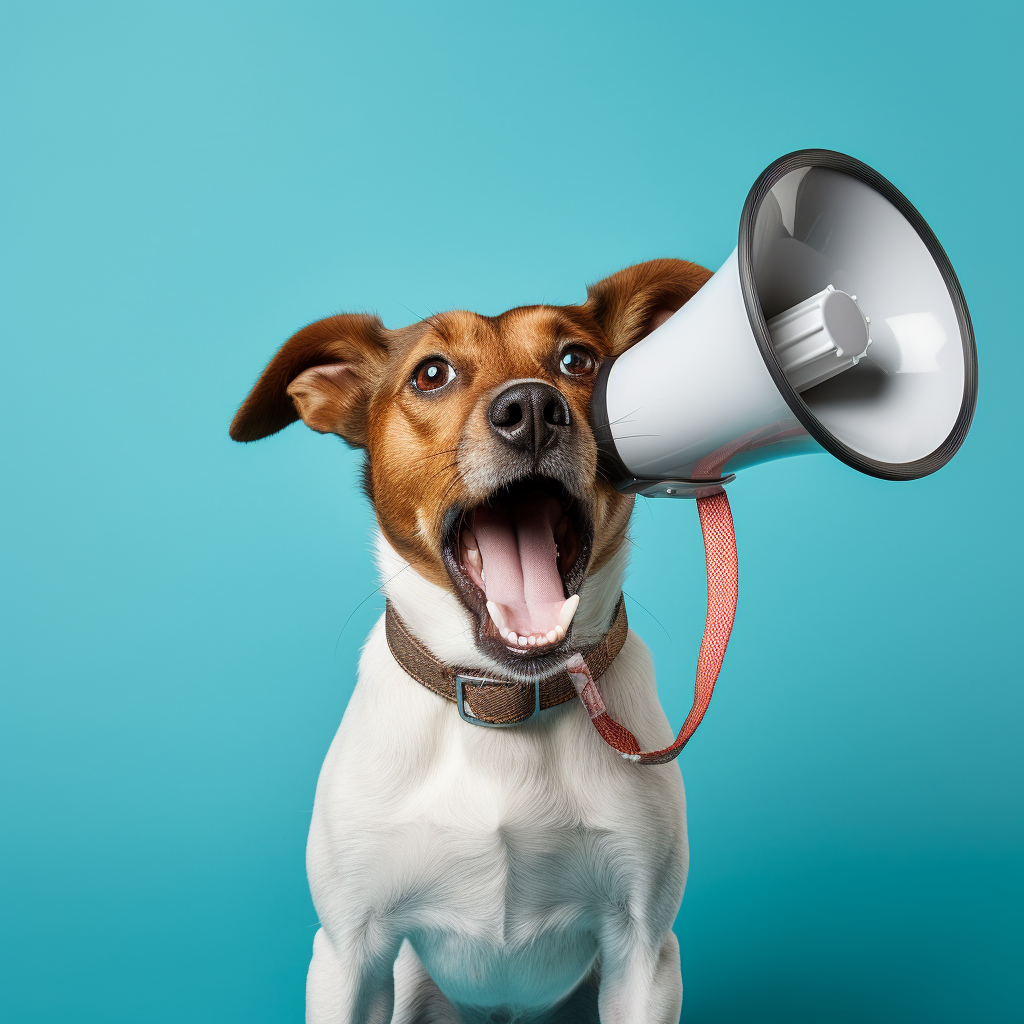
(433, 374)
(576, 361)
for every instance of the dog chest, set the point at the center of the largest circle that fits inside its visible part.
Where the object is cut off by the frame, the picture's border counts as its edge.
(497, 837)
(503, 856)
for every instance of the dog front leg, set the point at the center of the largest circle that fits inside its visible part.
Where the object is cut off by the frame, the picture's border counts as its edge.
(640, 983)
(349, 982)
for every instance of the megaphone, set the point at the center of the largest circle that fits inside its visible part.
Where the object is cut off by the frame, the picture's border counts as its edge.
(837, 324)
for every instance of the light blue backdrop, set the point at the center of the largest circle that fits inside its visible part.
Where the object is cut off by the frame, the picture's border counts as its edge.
(186, 184)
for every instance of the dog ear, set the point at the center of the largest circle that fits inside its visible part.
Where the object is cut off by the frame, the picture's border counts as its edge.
(324, 374)
(630, 304)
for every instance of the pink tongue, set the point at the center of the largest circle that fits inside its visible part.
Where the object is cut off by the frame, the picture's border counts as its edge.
(517, 547)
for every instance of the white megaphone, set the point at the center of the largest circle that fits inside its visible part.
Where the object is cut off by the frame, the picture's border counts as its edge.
(837, 324)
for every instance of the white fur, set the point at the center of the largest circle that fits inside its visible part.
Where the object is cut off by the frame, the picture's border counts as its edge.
(509, 872)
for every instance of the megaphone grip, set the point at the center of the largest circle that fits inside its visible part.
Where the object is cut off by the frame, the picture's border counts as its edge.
(723, 590)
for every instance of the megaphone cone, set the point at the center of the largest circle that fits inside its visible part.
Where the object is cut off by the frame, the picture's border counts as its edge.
(836, 324)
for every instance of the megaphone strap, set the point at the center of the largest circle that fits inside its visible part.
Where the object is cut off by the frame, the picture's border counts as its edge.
(723, 590)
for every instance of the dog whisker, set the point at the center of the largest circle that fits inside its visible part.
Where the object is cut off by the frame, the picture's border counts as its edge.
(413, 311)
(618, 419)
(443, 469)
(364, 600)
(434, 455)
(649, 612)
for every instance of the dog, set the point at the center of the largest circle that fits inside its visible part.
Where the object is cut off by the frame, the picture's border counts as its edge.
(464, 874)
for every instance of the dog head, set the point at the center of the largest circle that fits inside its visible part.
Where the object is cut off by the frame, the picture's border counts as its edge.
(481, 461)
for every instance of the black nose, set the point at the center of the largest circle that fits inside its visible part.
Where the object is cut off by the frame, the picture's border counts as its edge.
(530, 416)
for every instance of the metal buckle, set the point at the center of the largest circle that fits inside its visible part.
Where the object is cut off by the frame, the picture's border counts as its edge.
(468, 716)
(681, 488)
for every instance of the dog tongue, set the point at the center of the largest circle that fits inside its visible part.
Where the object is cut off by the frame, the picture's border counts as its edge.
(520, 563)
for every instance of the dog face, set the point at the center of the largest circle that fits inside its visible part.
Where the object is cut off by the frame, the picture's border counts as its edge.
(481, 459)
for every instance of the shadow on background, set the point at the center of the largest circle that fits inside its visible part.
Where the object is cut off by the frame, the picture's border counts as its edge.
(848, 941)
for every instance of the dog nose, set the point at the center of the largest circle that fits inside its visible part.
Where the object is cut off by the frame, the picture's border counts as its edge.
(529, 415)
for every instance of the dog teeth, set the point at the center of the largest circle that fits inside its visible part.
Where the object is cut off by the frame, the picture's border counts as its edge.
(472, 558)
(497, 618)
(513, 639)
(567, 612)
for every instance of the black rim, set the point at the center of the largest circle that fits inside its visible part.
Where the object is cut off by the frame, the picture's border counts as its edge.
(848, 165)
(610, 466)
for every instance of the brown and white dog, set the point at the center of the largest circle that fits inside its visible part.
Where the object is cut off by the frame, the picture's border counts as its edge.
(466, 874)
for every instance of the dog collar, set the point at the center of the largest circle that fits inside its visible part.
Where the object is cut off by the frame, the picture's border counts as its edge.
(484, 698)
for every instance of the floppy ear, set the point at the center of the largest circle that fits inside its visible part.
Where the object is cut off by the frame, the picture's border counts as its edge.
(325, 373)
(630, 304)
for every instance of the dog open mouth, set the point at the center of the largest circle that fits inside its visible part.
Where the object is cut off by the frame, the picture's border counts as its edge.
(517, 561)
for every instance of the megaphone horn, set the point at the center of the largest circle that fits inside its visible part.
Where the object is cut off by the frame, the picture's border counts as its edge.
(837, 324)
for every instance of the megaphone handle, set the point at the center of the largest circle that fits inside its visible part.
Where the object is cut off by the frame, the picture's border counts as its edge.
(723, 589)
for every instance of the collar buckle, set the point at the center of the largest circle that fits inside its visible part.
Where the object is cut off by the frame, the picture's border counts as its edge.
(468, 716)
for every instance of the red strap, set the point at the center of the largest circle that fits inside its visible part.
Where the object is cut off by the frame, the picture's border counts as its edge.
(723, 589)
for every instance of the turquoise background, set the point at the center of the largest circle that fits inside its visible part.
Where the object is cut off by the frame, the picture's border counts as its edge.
(184, 185)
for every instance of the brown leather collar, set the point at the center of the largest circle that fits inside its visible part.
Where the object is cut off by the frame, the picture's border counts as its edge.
(488, 699)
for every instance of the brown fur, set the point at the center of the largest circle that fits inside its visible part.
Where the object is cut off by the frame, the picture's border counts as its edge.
(349, 375)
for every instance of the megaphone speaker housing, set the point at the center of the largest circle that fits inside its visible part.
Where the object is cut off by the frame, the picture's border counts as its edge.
(836, 324)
